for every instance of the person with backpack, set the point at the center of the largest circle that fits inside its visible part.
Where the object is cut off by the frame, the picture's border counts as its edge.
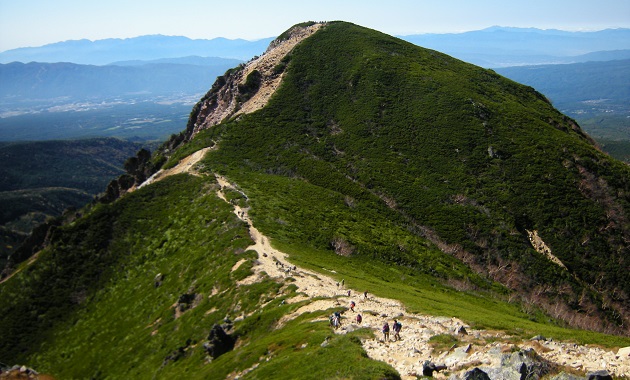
(359, 319)
(352, 305)
(386, 332)
(397, 327)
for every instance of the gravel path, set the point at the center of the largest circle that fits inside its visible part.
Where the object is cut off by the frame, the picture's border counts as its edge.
(408, 354)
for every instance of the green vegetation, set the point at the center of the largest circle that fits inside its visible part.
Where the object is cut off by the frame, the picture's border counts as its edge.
(86, 307)
(442, 343)
(596, 94)
(388, 261)
(39, 180)
(464, 157)
(401, 170)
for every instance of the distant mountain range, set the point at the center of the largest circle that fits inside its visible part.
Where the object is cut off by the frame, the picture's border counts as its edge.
(102, 52)
(491, 47)
(36, 80)
(578, 82)
(504, 46)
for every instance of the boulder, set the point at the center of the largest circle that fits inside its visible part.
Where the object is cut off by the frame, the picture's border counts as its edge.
(219, 342)
(526, 362)
(599, 375)
(461, 330)
(475, 374)
(624, 352)
(502, 373)
(429, 367)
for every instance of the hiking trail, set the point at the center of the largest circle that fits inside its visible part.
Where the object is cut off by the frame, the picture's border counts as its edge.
(408, 354)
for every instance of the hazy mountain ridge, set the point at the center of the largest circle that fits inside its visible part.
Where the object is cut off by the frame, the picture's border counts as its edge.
(505, 46)
(102, 52)
(578, 82)
(396, 168)
(79, 82)
(491, 47)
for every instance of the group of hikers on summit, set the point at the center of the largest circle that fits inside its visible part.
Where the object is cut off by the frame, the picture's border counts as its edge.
(335, 321)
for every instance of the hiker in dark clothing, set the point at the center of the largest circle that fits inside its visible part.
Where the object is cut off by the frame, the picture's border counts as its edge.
(397, 327)
(386, 331)
(359, 319)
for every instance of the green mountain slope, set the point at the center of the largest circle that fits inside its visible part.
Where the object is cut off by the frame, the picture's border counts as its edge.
(464, 157)
(39, 180)
(395, 168)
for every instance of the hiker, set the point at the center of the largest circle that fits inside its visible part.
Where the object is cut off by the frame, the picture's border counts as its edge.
(397, 327)
(348, 293)
(365, 294)
(359, 319)
(386, 332)
(343, 281)
(336, 319)
(352, 304)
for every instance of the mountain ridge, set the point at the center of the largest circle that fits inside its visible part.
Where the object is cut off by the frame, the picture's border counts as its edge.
(392, 168)
(102, 52)
(488, 51)
(479, 111)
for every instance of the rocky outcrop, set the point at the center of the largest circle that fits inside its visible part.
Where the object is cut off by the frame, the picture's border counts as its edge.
(248, 87)
(219, 341)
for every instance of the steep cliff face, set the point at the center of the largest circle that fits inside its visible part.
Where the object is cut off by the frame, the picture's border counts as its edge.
(248, 87)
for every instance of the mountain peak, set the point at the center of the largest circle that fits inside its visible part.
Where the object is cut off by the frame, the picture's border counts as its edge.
(250, 86)
(389, 170)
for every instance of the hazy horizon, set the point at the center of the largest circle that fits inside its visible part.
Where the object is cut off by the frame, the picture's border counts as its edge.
(33, 23)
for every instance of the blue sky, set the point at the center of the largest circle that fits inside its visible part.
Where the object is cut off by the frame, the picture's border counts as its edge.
(38, 22)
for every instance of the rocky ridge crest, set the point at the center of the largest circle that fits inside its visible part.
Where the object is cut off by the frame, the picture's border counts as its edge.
(249, 87)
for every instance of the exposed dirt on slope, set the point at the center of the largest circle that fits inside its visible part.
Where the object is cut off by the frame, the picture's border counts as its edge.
(226, 103)
(187, 165)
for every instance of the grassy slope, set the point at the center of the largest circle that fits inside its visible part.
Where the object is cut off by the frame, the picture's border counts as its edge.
(89, 306)
(300, 218)
(476, 158)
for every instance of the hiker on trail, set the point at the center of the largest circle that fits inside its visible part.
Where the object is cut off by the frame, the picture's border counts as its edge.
(352, 304)
(359, 319)
(365, 294)
(343, 281)
(397, 327)
(334, 320)
(348, 293)
(386, 332)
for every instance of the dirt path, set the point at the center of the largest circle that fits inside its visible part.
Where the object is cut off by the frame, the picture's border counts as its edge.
(186, 165)
(30, 261)
(408, 354)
